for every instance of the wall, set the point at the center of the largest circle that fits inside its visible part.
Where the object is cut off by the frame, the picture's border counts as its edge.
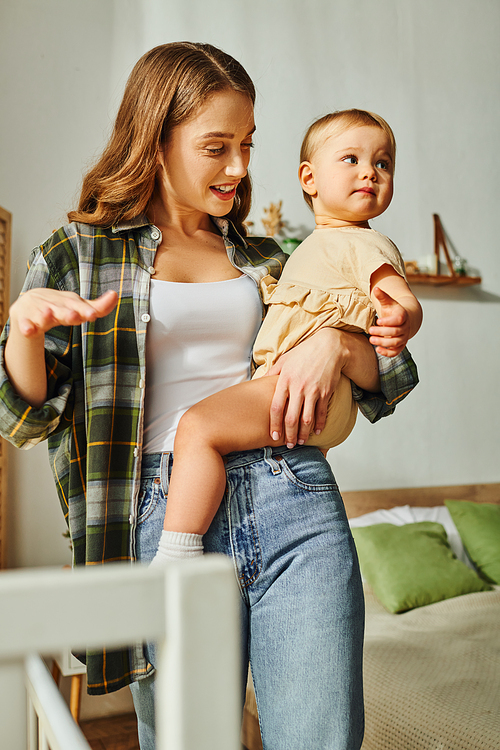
(432, 69)
(54, 92)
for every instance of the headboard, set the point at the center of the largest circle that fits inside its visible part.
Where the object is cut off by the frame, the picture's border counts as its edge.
(365, 501)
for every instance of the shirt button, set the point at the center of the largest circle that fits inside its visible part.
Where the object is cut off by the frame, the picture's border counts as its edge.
(155, 235)
(141, 383)
(136, 452)
(145, 318)
(152, 270)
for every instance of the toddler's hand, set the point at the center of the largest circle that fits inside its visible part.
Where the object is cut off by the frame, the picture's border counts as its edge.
(392, 330)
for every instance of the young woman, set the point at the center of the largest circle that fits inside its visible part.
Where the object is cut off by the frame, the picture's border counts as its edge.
(144, 304)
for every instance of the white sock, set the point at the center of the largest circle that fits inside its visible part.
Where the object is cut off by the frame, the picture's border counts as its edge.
(177, 545)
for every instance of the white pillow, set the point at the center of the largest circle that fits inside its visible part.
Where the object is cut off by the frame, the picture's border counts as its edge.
(410, 514)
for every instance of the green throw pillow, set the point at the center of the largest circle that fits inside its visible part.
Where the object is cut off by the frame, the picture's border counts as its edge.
(479, 527)
(412, 565)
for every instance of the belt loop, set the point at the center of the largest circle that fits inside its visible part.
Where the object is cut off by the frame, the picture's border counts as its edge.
(268, 458)
(164, 471)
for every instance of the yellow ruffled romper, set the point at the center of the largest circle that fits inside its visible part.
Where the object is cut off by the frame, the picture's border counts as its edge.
(325, 283)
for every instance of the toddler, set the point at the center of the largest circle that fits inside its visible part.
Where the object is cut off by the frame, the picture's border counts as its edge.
(344, 275)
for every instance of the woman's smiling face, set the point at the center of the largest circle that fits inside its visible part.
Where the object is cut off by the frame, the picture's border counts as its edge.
(206, 157)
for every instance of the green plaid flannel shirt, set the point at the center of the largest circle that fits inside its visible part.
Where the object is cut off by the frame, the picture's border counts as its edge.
(93, 415)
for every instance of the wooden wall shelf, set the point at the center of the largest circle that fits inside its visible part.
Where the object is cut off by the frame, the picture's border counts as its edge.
(442, 279)
(437, 279)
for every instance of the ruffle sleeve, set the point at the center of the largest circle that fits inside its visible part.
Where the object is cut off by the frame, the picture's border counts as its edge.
(348, 310)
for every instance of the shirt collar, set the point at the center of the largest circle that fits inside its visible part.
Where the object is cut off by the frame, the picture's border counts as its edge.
(226, 228)
(139, 221)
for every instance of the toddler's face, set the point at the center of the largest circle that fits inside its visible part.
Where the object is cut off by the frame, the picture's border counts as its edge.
(352, 176)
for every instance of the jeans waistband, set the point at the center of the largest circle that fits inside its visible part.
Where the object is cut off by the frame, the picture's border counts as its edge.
(152, 464)
(243, 458)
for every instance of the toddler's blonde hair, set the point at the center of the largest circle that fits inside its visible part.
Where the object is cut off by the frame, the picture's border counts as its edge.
(338, 122)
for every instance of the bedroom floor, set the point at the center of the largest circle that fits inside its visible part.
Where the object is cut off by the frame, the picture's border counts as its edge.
(112, 733)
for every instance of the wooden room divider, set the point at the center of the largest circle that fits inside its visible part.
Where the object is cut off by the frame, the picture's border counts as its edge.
(5, 234)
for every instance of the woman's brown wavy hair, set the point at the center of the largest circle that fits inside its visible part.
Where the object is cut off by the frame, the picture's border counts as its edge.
(166, 87)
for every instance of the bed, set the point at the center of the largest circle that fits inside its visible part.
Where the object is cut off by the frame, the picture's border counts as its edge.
(432, 651)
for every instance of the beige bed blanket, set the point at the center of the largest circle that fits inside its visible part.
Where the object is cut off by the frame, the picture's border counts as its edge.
(432, 675)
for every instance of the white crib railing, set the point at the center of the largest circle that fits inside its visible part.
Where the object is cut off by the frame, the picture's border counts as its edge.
(191, 609)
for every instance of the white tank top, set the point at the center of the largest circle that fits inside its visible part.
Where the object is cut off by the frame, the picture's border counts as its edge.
(199, 341)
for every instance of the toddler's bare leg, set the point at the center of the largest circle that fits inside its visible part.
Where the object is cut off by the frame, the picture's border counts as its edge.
(234, 419)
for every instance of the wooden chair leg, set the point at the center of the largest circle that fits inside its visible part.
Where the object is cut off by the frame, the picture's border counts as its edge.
(56, 672)
(75, 696)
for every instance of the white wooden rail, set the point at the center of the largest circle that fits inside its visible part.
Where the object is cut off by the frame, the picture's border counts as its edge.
(191, 609)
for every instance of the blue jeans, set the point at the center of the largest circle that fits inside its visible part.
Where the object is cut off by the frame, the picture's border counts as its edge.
(283, 521)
